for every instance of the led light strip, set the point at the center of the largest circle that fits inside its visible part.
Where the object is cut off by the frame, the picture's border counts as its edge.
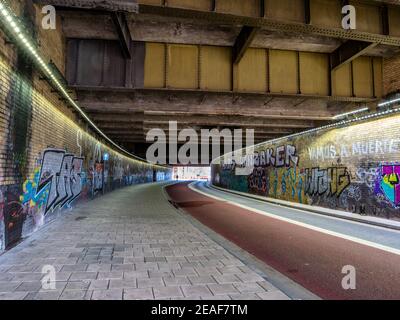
(386, 103)
(343, 115)
(15, 30)
(329, 126)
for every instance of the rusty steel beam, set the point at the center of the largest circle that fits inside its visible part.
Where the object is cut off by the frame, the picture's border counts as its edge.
(233, 94)
(124, 34)
(215, 120)
(385, 19)
(130, 6)
(307, 12)
(243, 42)
(349, 51)
(104, 122)
(282, 26)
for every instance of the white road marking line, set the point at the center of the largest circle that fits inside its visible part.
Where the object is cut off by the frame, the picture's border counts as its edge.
(301, 224)
(303, 211)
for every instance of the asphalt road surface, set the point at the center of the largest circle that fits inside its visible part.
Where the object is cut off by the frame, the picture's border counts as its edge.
(309, 249)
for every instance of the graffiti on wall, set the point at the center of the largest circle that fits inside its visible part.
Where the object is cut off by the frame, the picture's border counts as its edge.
(292, 185)
(258, 181)
(56, 184)
(2, 201)
(388, 183)
(97, 170)
(281, 156)
(328, 181)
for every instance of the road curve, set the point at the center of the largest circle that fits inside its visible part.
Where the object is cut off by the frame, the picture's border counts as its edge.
(311, 258)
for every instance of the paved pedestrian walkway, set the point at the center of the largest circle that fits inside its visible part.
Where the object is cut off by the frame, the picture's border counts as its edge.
(129, 244)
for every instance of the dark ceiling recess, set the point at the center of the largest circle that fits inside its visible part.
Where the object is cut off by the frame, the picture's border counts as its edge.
(280, 66)
(106, 64)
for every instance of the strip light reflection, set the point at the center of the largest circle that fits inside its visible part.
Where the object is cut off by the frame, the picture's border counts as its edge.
(329, 126)
(343, 115)
(386, 103)
(12, 26)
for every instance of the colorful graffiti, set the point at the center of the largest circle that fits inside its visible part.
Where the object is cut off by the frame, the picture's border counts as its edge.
(330, 181)
(389, 183)
(258, 181)
(57, 183)
(279, 157)
(58, 180)
(2, 201)
(292, 183)
(282, 156)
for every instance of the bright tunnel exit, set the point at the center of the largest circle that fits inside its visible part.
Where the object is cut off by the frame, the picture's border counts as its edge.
(192, 173)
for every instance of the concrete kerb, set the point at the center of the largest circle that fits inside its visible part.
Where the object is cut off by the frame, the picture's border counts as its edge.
(378, 222)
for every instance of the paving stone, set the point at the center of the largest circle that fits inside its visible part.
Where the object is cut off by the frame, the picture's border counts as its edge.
(136, 275)
(124, 283)
(74, 267)
(217, 297)
(207, 271)
(161, 274)
(99, 284)
(123, 267)
(197, 290)
(12, 295)
(47, 295)
(6, 286)
(83, 276)
(133, 260)
(249, 277)
(138, 294)
(145, 266)
(110, 275)
(78, 285)
(150, 282)
(245, 296)
(111, 294)
(249, 287)
(176, 281)
(273, 295)
(202, 280)
(222, 289)
(155, 259)
(99, 267)
(226, 278)
(184, 272)
(229, 270)
(21, 268)
(73, 295)
(29, 276)
(167, 292)
(63, 276)
(29, 286)
(105, 256)
(58, 285)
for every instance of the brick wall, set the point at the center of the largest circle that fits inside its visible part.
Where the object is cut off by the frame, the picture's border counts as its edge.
(50, 160)
(391, 72)
(354, 168)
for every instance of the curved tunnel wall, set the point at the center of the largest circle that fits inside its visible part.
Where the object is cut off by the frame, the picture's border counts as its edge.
(50, 160)
(354, 168)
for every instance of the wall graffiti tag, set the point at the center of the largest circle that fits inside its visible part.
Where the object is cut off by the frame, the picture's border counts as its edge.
(389, 183)
(58, 181)
(257, 181)
(330, 181)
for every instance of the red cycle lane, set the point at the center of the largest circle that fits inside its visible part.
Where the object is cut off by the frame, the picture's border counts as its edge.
(311, 258)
